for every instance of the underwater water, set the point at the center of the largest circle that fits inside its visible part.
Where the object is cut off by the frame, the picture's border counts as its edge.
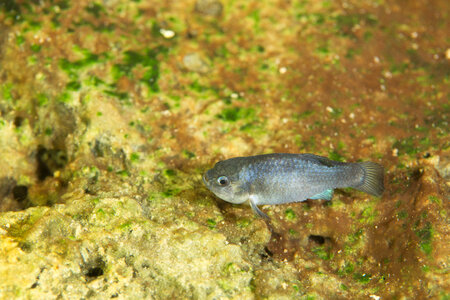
(111, 111)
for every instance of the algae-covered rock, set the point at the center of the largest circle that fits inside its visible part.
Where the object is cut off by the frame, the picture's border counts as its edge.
(108, 248)
(110, 112)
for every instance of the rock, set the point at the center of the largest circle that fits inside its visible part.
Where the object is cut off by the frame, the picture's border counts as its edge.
(110, 113)
(443, 166)
(209, 7)
(108, 248)
(194, 62)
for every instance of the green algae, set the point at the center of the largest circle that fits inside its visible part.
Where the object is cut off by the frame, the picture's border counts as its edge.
(435, 199)
(362, 278)
(198, 87)
(334, 155)
(170, 192)
(20, 228)
(354, 241)
(211, 223)
(425, 235)
(42, 99)
(344, 23)
(148, 60)
(243, 222)
(134, 157)
(89, 59)
(73, 86)
(402, 214)
(368, 215)
(188, 154)
(123, 173)
(36, 48)
(233, 114)
(169, 173)
(347, 269)
(116, 94)
(303, 115)
(322, 253)
(12, 9)
(289, 214)
(6, 92)
(95, 9)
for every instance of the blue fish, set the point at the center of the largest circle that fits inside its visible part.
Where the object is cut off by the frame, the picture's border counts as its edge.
(284, 178)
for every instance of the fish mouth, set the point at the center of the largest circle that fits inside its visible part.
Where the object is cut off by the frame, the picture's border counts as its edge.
(205, 181)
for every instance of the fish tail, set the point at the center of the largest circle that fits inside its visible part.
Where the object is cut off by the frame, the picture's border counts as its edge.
(373, 182)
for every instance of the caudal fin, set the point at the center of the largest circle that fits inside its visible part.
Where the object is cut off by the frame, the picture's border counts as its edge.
(373, 182)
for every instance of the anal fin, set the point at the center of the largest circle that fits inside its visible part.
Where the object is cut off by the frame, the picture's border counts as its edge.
(327, 195)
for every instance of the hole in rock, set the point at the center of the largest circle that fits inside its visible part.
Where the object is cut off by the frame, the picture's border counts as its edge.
(94, 272)
(318, 239)
(95, 269)
(20, 192)
(48, 161)
(18, 121)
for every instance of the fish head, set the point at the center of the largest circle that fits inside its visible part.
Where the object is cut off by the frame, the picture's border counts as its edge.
(223, 181)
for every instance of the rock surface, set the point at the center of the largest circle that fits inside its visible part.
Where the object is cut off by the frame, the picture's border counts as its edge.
(105, 130)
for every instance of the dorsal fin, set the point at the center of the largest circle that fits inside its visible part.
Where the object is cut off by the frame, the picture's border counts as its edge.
(322, 160)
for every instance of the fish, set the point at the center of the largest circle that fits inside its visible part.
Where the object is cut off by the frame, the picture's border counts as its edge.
(279, 178)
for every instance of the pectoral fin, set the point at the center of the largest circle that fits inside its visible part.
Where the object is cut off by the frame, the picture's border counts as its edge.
(327, 195)
(257, 210)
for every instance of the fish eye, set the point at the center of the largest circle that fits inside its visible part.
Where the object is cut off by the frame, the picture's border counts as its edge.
(223, 180)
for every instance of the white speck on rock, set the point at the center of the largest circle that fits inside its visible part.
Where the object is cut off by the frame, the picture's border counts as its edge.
(395, 152)
(167, 33)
